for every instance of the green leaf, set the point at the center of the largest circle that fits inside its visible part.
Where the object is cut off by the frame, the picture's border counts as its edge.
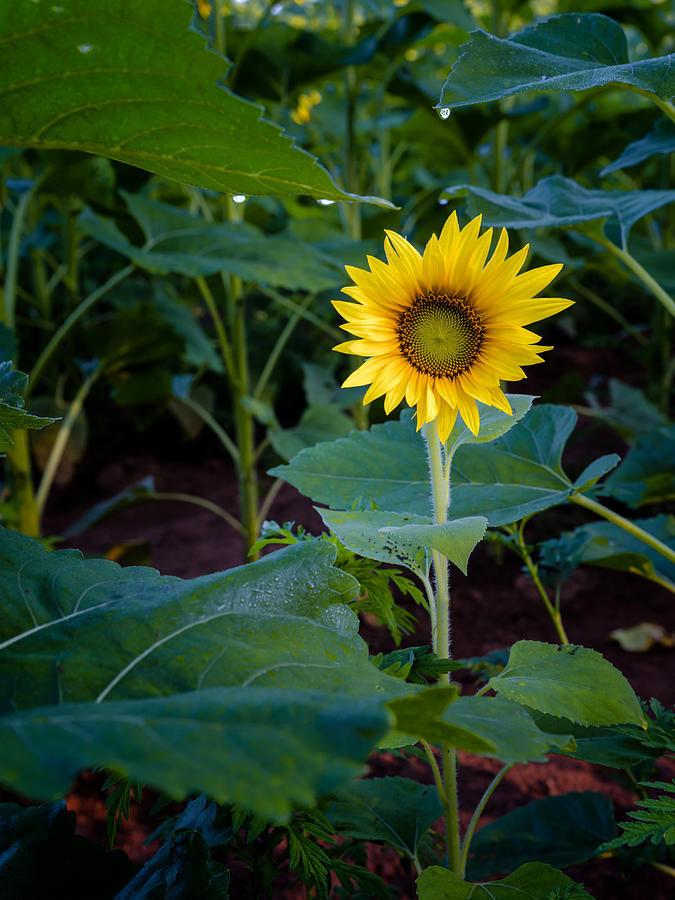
(558, 202)
(386, 467)
(135, 493)
(12, 414)
(456, 540)
(177, 241)
(251, 685)
(629, 411)
(605, 544)
(134, 83)
(317, 424)
(424, 715)
(398, 811)
(568, 681)
(595, 471)
(561, 831)
(493, 423)
(655, 820)
(505, 725)
(562, 53)
(533, 881)
(646, 474)
(368, 534)
(661, 139)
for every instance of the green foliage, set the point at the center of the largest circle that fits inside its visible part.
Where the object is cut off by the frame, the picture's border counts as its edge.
(533, 881)
(12, 414)
(655, 820)
(415, 664)
(646, 473)
(561, 830)
(118, 802)
(73, 101)
(190, 676)
(568, 681)
(570, 52)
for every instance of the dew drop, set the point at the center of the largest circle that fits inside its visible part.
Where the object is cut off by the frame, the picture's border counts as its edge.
(85, 48)
(324, 202)
(239, 198)
(444, 112)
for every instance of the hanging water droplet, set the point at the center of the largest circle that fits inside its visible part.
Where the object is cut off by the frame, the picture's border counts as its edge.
(239, 198)
(444, 112)
(85, 48)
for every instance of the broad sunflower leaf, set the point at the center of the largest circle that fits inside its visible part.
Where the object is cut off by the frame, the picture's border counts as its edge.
(558, 202)
(456, 539)
(398, 811)
(533, 881)
(132, 82)
(251, 685)
(605, 544)
(367, 532)
(505, 725)
(317, 423)
(493, 423)
(569, 52)
(569, 681)
(661, 139)
(646, 474)
(561, 831)
(177, 241)
(423, 715)
(629, 412)
(12, 414)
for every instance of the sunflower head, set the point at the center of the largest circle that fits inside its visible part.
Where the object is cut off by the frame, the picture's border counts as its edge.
(443, 329)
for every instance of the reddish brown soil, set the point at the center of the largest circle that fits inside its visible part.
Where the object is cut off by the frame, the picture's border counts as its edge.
(492, 608)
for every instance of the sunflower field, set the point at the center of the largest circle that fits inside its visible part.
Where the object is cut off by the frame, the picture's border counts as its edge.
(304, 591)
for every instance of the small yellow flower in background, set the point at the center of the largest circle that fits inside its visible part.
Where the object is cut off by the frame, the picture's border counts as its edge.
(443, 329)
(303, 112)
(204, 8)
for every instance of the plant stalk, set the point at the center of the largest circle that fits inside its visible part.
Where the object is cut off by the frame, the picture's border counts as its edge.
(478, 812)
(626, 524)
(629, 260)
(554, 613)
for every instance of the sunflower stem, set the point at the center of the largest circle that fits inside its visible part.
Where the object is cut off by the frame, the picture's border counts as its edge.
(440, 497)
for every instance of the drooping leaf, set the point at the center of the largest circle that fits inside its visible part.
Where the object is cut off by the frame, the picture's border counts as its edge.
(398, 811)
(646, 474)
(366, 532)
(134, 83)
(424, 715)
(558, 202)
(456, 540)
(251, 685)
(177, 241)
(100, 511)
(572, 52)
(561, 830)
(568, 681)
(12, 414)
(661, 139)
(629, 411)
(506, 725)
(605, 544)
(533, 881)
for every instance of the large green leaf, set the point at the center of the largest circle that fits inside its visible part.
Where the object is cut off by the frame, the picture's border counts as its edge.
(646, 474)
(507, 726)
(398, 811)
(568, 681)
(422, 716)
(177, 241)
(132, 82)
(533, 881)
(12, 414)
(558, 202)
(562, 53)
(252, 685)
(661, 139)
(317, 424)
(561, 831)
(386, 467)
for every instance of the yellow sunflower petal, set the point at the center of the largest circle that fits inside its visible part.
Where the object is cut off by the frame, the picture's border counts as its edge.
(365, 373)
(469, 412)
(447, 415)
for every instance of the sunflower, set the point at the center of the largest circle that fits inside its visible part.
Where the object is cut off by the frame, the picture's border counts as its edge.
(444, 328)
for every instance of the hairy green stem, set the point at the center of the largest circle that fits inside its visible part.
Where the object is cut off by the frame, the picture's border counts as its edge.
(629, 260)
(626, 524)
(478, 812)
(72, 319)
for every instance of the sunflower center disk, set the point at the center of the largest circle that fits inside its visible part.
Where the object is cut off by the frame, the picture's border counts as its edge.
(440, 335)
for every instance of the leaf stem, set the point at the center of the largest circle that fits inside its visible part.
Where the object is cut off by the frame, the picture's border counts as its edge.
(217, 429)
(629, 260)
(534, 574)
(197, 501)
(279, 345)
(74, 317)
(225, 348)
(626, 524)
(478, 812)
